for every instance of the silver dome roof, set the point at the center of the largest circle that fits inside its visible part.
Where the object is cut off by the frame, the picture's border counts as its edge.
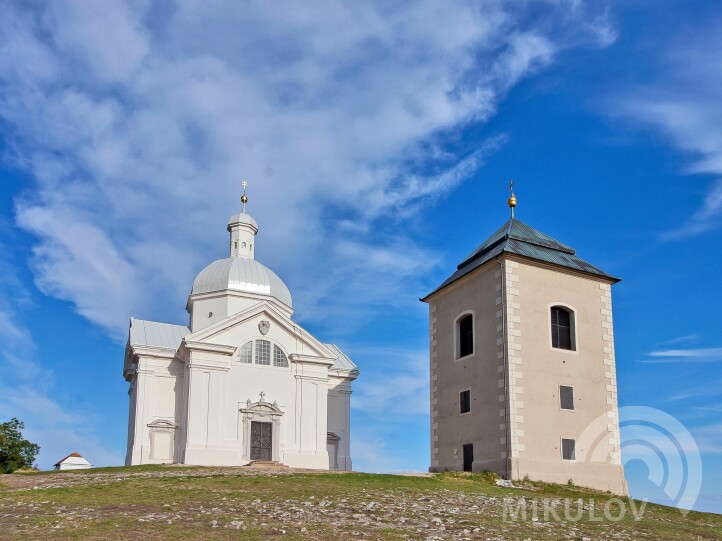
(243, 218)
(241, 274)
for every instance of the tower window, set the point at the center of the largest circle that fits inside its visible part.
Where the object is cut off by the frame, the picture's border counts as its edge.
(464, 402)
(465, 336)
(568, 449)
(562, 328)
(279, 357)
(246, 352)
(263, 352)
(566, 397)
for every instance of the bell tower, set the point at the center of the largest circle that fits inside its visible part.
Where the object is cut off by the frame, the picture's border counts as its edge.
(522, 365)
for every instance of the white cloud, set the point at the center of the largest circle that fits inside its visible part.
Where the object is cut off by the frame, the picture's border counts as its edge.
(58, 429)
(683, 105)
(402, 387)
(138, 120)
(681, 339)
(686, 355)
(27, 387)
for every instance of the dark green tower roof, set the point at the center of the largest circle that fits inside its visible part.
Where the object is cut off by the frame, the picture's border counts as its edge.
(517, 238)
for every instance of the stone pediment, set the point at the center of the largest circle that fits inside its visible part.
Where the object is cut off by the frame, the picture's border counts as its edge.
(266, 315)
(262, 408)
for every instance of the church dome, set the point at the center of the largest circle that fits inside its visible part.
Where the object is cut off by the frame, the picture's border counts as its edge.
(241, 274)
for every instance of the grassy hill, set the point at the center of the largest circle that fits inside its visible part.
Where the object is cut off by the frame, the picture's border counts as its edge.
(156, 502)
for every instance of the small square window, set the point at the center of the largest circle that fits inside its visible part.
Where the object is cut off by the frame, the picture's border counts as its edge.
(566, 397)
(464, 401)
(568, 449)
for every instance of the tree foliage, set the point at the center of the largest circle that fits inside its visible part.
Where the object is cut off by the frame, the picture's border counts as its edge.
(15, 451)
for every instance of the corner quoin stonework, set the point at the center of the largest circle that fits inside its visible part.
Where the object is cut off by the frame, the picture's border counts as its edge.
(433, 387)
(610, 373)
(510, 361)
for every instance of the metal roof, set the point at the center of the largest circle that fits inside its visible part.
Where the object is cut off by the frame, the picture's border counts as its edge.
(241, 274)
(154, 334)
(342, 360)
(518, 238)
(242, 218)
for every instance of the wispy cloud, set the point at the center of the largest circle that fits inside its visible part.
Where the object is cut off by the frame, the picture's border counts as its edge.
(680, 340)
(402, 387)
(27, 387)
(686, 355)
(683, 105)
(138, 121)
(709, 438)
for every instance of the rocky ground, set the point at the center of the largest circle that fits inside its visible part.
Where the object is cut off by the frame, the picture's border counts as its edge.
(260, 503)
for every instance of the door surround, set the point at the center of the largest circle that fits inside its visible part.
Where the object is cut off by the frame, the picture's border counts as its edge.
(262, 412)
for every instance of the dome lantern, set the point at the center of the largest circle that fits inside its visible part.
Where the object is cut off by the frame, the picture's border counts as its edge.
(243, 229)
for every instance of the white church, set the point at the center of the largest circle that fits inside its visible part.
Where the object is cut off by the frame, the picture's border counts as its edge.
(243, 382)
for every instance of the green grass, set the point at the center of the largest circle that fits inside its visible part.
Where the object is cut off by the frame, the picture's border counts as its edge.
(157, 502)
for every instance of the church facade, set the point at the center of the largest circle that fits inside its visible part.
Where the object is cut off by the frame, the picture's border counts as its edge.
(523, 379)
(242, 382)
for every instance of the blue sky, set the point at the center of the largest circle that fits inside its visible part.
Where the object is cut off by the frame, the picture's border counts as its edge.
(378, 141)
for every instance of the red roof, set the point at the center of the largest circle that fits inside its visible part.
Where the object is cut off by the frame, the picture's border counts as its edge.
(76, 455)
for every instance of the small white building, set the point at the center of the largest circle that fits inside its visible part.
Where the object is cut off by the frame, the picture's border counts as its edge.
(74, 461)
(242, 381)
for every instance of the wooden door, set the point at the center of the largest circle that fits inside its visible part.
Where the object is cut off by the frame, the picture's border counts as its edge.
(261, 441)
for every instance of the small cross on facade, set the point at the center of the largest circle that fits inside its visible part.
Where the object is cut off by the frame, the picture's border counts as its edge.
(262, 395)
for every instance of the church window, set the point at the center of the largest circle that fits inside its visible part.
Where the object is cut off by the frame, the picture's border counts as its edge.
(568, 449)
(263, 352)
(566, 397)
(246, 352)
(279, 357)
(465, 336)
(464, 402)
(562, 323)
(243, 244)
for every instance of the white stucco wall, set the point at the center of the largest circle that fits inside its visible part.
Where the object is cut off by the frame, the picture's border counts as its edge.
(191, 401)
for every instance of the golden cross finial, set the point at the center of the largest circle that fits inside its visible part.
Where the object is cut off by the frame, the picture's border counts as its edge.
(512, 198)
(244, 198)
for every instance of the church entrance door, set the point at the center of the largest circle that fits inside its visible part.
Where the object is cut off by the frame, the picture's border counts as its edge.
(261, 441)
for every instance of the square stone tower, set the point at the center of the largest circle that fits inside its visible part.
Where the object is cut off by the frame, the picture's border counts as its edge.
(523, 375)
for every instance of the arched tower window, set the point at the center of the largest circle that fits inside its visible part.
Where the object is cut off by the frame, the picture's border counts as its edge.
(465, 336)
(562, 322)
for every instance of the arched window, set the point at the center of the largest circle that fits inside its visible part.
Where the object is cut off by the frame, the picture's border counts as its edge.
(279, 357)
(465, 336)
(562, 328)
(246, 352)
(259, 352)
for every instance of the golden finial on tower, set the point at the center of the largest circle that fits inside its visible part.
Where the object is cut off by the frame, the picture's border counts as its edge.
(512, 198)
(244, 198)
